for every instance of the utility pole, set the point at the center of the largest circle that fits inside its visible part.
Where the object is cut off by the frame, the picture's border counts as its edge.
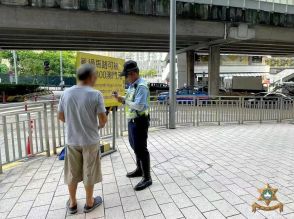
(172, 52)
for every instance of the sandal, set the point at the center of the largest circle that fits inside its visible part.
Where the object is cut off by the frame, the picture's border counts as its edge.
(97, 202)
(71, 210)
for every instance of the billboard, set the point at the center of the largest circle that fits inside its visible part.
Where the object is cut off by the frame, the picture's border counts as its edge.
(108, 70)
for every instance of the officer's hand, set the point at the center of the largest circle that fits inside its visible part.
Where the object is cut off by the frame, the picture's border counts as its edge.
(120, 99)
(115, 94)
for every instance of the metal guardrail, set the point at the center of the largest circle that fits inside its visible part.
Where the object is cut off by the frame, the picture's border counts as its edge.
(221, 110)
(33, 128)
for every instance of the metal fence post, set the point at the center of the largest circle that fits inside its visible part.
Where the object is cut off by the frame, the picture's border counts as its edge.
(18, 136)
(197, 112)
(53, 128)
(260, 110)
(218, 110)
(280, 109)
(5, 139)
(1, 169)
(46, 131)
(30, 134)
(114, 127)
(193, 110)
(120, 121)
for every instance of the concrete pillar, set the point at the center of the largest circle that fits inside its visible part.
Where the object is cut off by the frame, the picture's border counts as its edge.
(182, 69)
(190, 68)
(213, 70)
(186, 69)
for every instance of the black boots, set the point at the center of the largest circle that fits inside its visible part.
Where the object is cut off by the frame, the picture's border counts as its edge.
(146, 180)
(137, 172)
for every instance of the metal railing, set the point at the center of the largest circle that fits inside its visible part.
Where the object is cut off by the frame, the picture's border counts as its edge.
(28, 129)
(239, 110)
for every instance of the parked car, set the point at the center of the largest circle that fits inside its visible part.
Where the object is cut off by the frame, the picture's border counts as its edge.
(185, 95)
(268, 100)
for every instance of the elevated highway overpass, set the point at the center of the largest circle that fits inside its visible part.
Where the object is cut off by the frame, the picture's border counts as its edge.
(214, 28)
(57, 29)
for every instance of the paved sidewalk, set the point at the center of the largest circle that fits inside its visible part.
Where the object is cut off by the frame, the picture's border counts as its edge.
(205, 172)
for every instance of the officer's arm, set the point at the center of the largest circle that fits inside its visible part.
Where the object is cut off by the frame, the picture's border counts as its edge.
(140, 99)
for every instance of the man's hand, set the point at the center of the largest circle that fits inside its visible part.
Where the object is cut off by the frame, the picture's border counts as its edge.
(61, 116)
(102, 120)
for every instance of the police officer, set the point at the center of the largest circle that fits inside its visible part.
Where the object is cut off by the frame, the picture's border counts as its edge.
(137, 110)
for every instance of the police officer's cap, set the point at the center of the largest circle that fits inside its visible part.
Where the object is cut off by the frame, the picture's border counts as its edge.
(129, 66)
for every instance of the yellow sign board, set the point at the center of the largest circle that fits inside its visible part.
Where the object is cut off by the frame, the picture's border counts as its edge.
(108, 70)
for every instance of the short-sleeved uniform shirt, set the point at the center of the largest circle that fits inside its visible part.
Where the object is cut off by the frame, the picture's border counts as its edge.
(81, 106)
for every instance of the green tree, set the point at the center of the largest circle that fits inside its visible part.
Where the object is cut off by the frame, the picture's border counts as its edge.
(3, 69)
(32, 62)
(148, 73)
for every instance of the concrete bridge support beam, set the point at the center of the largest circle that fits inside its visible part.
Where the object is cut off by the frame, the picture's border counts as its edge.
(214, 71)
(186, 69)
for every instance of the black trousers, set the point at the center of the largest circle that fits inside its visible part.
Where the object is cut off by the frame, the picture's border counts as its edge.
(138, 134)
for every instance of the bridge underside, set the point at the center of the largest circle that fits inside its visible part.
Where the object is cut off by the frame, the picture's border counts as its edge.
(55, 29)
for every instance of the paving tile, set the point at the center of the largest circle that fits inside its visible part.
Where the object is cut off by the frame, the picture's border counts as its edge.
(171, 211)
(138, 214)
(172, 188)
(225, 208)
(109, 188)
(111, 200)
(76, 216)
(202, 204)
(210, 194)
(144, 195)
(7, 204)
(14, 192)
(36, 183)
(114, 213)
(192, 213)
(157, 216)
(130, 203)
(162, 197)
(29, 195)
(239, 216)
(214, 214)
(126, 190)
(181, 200)
(4, 187)
(59, 202)
(165, 179)
(20, 209)
(289, 216)
(56, 214)
(38, 212)
(49, 187)
(150, 207)
(43, 199)
(4, 214)
(191, 191)
(53, 178)
(156, 186)
(231, 198)
(23, 181)
(237, 190)
(218, 187)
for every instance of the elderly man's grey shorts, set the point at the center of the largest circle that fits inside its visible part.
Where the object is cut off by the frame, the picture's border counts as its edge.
(82, 163)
